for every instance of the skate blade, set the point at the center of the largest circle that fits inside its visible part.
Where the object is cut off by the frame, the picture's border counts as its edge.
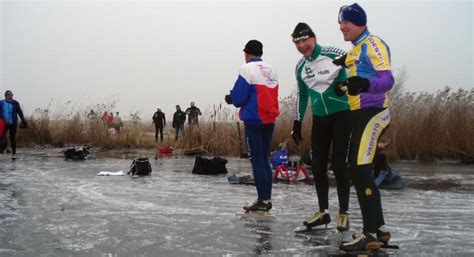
(383, 250)
(257, 215)
(302, 229)
(385, 245)
(305, 229)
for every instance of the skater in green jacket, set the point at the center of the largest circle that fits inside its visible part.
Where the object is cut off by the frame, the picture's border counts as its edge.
(318, 79)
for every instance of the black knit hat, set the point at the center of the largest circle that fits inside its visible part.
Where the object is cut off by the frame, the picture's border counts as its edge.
(302, 31)
(254, 47)
(8, 92)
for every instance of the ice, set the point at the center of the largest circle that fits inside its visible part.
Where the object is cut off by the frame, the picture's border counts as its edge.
(53, 207)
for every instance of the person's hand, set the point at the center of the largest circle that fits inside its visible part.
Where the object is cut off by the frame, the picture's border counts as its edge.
(173, 125)
(23, 125)
(340, 89)
(340, 61)
(356, 85)
(296, 133)
(228, 99)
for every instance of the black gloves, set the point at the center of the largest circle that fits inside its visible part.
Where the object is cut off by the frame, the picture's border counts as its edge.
(354, 85)
(340, 61)
(296, 133)
(228, 99)
(357, 84)
(23, 125)
(340, 89)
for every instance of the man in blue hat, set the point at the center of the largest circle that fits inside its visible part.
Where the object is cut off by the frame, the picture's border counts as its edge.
(9, 111)
(369, 80)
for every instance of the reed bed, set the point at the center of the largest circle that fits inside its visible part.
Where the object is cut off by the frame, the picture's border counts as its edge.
(424, 126)
(427, 126)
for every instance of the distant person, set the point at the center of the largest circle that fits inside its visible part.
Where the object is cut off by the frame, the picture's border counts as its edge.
(179, 117)
(117, 122)
(135, 118)
(10, 110)
(3, 137)
(193, 112)
(256, 93)
(110, 120)
(105, 119)
(159, 120)
(92, 116)
(369, 81)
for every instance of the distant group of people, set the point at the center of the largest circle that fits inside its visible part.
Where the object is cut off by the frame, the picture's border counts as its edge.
(108, 119)
(179, 118)
(192, 114)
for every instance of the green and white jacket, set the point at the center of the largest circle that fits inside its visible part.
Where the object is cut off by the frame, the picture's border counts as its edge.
(317, 76)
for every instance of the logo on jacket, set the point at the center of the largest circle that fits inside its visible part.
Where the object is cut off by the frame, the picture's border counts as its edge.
(373, 138)
(309, 73)
(323, 72)
(267, 74)
(376, 48)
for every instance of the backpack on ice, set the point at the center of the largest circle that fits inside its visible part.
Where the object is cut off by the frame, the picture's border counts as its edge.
(279, 157)
(213, 166)
(385, 177)
(77, 153)
(389, 179)
(140, 167)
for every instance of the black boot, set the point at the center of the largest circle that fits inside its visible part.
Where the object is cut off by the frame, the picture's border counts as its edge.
(363, 241)
(382, 235)
(259, 205)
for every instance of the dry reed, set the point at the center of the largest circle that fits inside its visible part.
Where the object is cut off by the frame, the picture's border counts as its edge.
(424, 126)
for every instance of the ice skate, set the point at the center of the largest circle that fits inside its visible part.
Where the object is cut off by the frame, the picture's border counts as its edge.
(342, 222)
(317, 219)
(363, 241)
(383, 235)
(259, 206)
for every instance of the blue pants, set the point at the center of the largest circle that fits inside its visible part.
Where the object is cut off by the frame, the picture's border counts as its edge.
(178, 128)
(259, 140)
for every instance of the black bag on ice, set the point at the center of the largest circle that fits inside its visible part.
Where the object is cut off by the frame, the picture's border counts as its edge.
(203, 166)
(140, 167)
(76, 153)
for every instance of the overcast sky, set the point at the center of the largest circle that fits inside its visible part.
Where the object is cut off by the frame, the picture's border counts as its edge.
(145, 54)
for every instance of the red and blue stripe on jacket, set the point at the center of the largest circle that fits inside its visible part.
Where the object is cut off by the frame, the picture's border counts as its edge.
(256, 93)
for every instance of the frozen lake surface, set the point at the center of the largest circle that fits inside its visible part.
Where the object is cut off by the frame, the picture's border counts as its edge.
(53, 207)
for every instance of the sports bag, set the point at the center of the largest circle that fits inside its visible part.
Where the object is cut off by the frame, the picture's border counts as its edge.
(140, 167)
(213, 166)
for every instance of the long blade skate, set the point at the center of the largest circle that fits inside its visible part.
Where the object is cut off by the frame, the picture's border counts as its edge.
(264, 215)
(306, 229)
